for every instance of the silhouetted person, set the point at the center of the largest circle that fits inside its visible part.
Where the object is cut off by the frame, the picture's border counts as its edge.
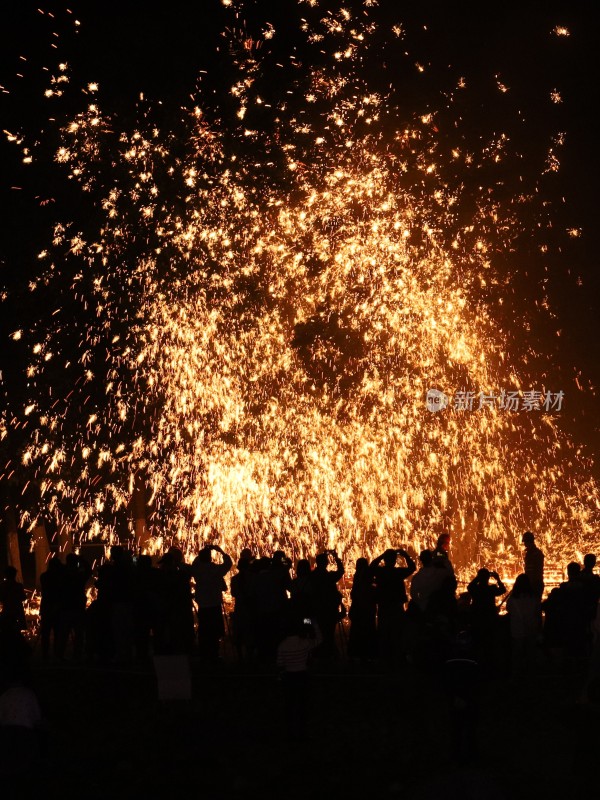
(362, 641)
(525, 618)
(552, 625)
(587, 571)
(593, 673)
(591, 587)
(76, 574)
(246, 555)
(327, 599)
(302, 605)
(484, 611)
(421, 617)
(443, 615)
(391, 596)
(184, 599)
(115, 606)
(267, 609)
(566, 622)
(210, 585)
(12, 597)
(533, 563)
(145, 605)
(426, 581)
(174, 631)
(293, 655)
(483, 596)
(574, 612)
(441, 555)
(52, 583)
(282, 584)
(242, 617)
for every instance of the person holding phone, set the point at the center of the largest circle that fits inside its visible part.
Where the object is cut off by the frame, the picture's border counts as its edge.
(391, 597)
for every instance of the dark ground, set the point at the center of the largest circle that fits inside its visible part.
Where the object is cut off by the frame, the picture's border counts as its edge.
(372, 734)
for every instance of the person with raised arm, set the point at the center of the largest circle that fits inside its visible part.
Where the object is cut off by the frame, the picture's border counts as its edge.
(209, 577)
(390, 593)
(327, 599)
(483, 590)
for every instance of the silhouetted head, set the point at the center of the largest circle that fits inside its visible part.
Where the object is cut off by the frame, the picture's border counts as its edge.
(573, 570)
(303, 568)
(362, 565)
(280, 560)
(589, 561)
(483, 575)
(322, 560)
(521, 586)
(72, 561)
(389, 558)
(55, 564)
(167, 561)
(528, 538)
(443, 542)
(10, 573)
(246, 555)
(176, 555)
(205, 555)
(117, 553)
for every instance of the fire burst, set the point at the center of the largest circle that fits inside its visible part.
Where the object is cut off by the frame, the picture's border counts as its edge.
(264, 304)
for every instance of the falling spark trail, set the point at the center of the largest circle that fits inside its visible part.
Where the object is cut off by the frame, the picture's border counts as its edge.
(255, 321)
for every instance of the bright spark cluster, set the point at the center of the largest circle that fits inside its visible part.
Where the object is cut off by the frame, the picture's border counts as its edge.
(271, 304)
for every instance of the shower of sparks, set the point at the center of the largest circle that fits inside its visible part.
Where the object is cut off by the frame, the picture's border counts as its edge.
(258, 317)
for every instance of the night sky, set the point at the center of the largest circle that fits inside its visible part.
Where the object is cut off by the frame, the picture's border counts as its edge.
(130, 48)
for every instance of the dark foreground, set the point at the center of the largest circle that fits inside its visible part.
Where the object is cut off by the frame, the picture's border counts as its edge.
(371, 734)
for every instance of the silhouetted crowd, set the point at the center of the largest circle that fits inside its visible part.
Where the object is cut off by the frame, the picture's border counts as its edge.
(396, 616)
(397, 613)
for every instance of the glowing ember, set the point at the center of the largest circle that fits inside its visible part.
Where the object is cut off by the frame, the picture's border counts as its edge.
(261, 310)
